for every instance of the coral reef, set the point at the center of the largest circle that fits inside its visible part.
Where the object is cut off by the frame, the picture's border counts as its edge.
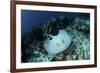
(79, 29)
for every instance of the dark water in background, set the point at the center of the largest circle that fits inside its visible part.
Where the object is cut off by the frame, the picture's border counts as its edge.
(33, 18)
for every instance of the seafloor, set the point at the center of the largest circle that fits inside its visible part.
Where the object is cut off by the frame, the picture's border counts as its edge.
(79, 30)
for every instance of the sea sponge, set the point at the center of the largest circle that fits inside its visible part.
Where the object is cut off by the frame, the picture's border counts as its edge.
(58, 43)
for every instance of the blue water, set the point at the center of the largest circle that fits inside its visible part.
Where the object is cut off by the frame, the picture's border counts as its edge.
(33, 18)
